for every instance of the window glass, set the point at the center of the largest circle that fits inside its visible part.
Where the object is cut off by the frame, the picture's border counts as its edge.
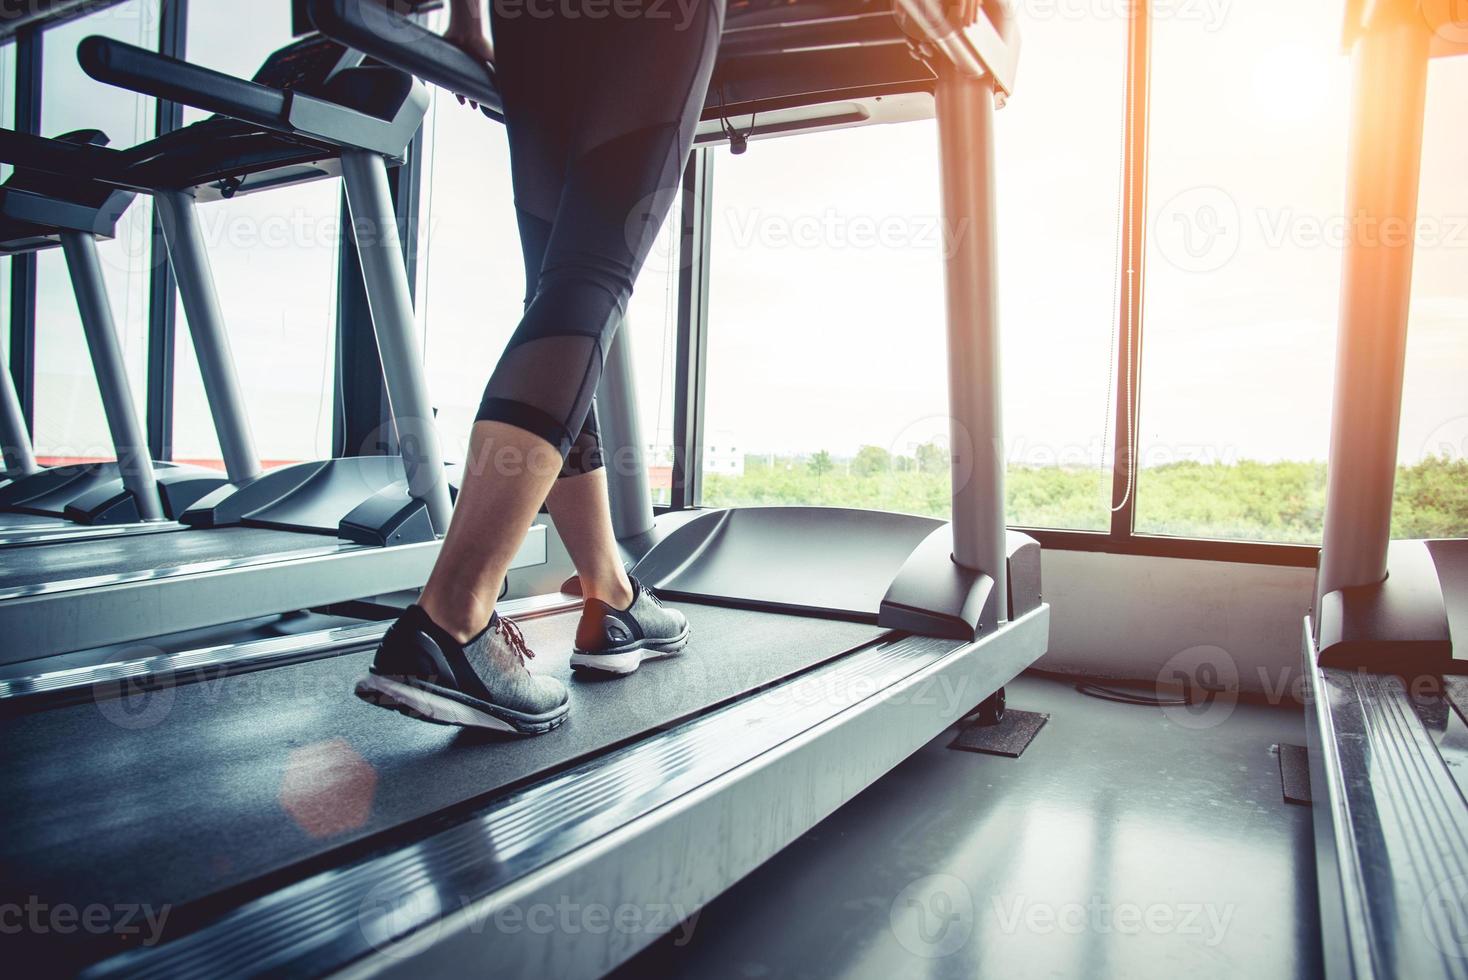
(1432, 482)
(69, 422)
(274, 255)
(471, 283)
(7, 121)
(1246, 184)
(827, 365)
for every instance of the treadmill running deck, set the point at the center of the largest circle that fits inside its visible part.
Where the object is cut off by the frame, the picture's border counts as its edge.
(172, 797)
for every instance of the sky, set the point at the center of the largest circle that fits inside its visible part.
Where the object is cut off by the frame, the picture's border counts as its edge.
(826, 292)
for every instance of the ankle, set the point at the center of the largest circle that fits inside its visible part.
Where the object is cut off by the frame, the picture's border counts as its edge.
(613, 588)
(462, 620)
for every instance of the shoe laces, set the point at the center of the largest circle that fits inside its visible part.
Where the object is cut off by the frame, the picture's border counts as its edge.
(510, 631)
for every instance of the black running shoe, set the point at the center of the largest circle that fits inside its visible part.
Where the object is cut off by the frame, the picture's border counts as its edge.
(616, 641)
(420, 671)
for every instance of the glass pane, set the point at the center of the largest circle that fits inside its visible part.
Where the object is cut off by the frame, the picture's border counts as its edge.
(220, 37)
(7, 121)
(471, 282)
(274, 256)
(1247, 180)
(827, 359)
(69, 421)
(1430, 499)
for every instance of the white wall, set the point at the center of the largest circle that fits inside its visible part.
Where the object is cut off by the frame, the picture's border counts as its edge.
(1125, 616)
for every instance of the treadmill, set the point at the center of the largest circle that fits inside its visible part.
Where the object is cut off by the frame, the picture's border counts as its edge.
(291, 830)
(1385, 647)
(300, 536)
(131, 493)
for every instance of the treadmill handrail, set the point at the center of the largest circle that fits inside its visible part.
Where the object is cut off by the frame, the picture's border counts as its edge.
(79, 161)
(149, 73)
(371, 28)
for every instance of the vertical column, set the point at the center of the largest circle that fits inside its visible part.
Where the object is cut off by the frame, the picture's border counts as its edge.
(19, 457)
(965, 111)
(1388, 101)
(386, 280)
(134, 463)
(621, 437)
(190, 260)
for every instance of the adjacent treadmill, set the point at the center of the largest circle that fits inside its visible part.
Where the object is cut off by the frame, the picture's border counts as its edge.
(290, 830)
(1385, 649)
(131, 493)
(304, 535)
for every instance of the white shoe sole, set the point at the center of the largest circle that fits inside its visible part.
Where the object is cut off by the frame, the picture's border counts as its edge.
(629, 660)
(417, 703)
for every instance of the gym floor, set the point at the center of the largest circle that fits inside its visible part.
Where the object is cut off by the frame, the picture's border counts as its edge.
(1126, 842)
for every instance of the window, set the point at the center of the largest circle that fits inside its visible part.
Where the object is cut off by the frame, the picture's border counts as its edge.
(69, 422)
(1247, 180)
(274, 255)
(827, 339)
(471, 283)
(1430, 495)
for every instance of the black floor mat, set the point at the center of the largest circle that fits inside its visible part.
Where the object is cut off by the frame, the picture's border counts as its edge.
(1294, 774)
(1009, 738)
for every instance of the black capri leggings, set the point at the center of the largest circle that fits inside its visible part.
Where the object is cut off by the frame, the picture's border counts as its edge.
(601, 98)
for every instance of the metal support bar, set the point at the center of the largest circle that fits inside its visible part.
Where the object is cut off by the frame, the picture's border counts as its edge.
(1388, 102)
(134, 464)
(965, 113)
(386, 279)
(190, 259)
(692, 346)
(621, 438)
(15, 441)
(28, 57)
(162, 289)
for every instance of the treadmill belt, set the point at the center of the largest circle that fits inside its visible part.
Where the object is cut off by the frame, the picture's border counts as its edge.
(168, 798)
(128, 555)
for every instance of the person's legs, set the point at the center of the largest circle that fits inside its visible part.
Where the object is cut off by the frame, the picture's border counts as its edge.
(622, 100)
(642, 81)
(582, 513)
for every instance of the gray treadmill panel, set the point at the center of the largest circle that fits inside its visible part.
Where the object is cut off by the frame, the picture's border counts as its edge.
(1451, 559)
(171, 797)
(21, 567)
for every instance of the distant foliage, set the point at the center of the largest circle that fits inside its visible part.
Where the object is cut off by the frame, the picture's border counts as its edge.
(1247, 500)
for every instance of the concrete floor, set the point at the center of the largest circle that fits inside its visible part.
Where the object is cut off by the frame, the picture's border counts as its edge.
(1126, 842)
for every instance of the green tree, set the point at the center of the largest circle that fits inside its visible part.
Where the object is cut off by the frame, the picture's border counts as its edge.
(820, 464)
(931, 458)
(871, 460)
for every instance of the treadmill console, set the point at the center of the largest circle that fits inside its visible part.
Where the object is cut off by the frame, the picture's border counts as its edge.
(306, 65)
